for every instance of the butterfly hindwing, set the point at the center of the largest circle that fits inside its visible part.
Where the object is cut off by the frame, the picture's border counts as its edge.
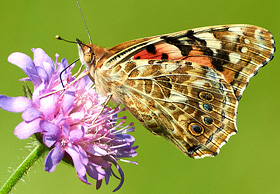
(189, 104)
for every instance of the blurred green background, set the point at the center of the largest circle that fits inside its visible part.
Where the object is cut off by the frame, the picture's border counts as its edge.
(249, 163)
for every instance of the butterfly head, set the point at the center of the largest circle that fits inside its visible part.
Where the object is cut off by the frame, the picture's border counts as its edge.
(86, 54)
(92, 56)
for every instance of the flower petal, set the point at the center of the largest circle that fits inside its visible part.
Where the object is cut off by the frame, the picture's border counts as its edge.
(34, 76)
(30, 114)
(76, 134)
(98, 184)
(108, 175)
(122, 178)
(95, 171)
(50, 131)
(66, 129)
(43, 60)
(77, 116)
(14, 104)
(80, 167)
(21, 60)
(61, 66)
(25, 129)
(83, 155)
(127, 152)
(84, 83)
(54, 157)
(95, 150)
(48, 105)
(37, 93)
(26, 79)
(68, 100)
(26, 64)
(43, 74)
(49, 67)
(126, 137)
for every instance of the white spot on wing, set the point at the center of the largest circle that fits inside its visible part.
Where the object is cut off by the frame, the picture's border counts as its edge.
(205, 36)
(171, 67)
(236, 30)
(214, 52)
(258, 34)
(246, 41)
(213, 45)
(234, 57)
(201, 83)
(244, 49)
(231, 38)
(262, 45)
(211, 41)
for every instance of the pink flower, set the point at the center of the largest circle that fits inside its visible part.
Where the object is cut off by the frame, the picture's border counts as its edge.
(65, 120)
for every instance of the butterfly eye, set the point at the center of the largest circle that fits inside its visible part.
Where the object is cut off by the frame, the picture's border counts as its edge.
(196, 129)
(88, 57)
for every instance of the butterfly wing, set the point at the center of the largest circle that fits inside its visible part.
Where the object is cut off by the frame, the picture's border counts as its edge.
(237, 51)
(185, 86)
(189, 104)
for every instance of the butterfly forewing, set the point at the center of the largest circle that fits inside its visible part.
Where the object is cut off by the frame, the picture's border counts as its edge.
(185, 86)
(237, 51)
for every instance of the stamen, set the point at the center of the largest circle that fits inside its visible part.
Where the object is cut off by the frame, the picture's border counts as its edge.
(119, 146)
(125, 129)
(128, 161)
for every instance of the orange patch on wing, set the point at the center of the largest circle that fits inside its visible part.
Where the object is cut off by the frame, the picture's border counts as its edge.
(196, 56)
(172, 52)
(229, 75)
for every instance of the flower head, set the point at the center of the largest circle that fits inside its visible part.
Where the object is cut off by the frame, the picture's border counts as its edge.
(66, 120)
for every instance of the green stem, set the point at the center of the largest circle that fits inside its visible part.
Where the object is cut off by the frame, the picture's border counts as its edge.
(23, 168)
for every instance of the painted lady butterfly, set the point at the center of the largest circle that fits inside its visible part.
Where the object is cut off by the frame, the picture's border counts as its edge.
(186, 85)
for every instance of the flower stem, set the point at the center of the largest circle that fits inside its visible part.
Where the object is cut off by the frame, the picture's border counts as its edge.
(23, 168)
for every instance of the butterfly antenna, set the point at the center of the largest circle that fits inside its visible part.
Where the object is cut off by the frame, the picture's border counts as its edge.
(84, 22)
(59, 38)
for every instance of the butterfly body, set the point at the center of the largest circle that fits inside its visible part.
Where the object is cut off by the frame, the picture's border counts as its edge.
(184, 86)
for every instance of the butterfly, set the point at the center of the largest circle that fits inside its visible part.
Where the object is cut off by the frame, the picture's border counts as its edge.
(184, 86)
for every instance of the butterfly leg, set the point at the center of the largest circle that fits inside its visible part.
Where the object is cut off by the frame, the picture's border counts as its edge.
(79, 71)
(79, 77)
(101, 110)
